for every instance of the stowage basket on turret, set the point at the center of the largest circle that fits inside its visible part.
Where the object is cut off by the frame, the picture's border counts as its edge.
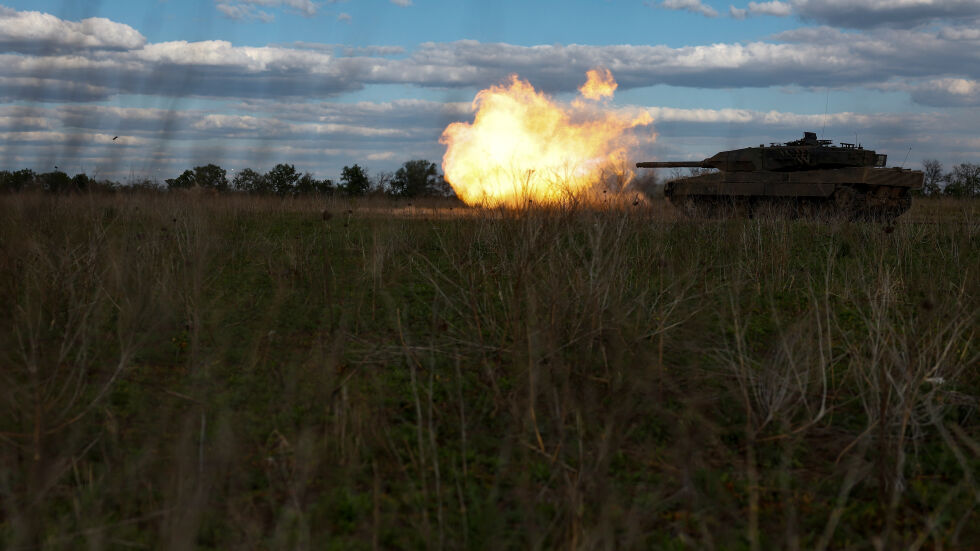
(799, 177)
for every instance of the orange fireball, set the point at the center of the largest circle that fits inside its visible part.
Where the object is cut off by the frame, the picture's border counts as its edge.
(600, 84)
(525, 146)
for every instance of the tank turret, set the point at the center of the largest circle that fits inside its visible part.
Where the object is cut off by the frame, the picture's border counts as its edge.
(805, 174)
(808, 153)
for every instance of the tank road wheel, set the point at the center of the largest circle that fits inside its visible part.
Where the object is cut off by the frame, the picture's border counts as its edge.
(815, 208)
(734, 207)
(774, 208)
(712, 207)
(887, 203)
(703, 207)
(694, 206)
(682, 203)
(850, 203)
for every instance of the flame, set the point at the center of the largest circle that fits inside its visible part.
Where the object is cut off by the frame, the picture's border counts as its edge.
(525, 146)
(601, 84)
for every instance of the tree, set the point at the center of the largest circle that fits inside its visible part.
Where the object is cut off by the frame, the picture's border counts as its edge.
(354, 181)
(55, 182)
(249, 181)
(933, 170)
(211, 176)
(382, 183)
(416, 178)
(282, 179)
(443, 188)
(184, 181)
(80, 182)
(325, 186)
(16, 181)
(308, 185)
(134, 185)
(964, 181)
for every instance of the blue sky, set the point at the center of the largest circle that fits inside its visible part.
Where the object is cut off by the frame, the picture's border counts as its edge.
(380, 22)
(319, 84)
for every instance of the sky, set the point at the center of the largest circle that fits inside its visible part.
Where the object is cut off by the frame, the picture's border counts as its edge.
(146, 89)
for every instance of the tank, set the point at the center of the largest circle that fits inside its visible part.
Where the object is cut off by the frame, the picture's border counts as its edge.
(803, 177)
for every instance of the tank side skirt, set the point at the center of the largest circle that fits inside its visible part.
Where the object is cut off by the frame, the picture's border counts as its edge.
(816, 183)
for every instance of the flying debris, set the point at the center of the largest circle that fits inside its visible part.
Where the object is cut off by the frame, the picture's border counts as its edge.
(114, 138)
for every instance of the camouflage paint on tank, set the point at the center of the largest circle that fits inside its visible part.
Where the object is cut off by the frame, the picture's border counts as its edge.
(806, 175)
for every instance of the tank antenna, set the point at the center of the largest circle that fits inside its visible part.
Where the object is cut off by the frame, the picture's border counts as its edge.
(826, 107)
(906, 156)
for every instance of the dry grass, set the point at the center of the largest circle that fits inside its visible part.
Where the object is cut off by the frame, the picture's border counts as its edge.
(231, 372)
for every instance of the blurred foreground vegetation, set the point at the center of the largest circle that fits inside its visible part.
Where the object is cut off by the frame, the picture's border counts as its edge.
(218, 372)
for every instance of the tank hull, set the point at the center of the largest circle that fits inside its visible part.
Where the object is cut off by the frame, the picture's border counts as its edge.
(854, 193)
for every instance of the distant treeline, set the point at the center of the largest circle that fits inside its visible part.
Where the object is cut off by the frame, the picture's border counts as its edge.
(417, 178)
(962, 181)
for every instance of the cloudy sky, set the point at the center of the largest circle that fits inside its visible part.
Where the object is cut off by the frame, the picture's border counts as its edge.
(322, 84)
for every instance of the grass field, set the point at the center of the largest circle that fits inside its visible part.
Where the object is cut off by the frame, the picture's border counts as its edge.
(185, 371)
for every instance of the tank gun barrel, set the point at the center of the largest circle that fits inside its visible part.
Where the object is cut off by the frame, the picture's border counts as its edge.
(673, 164)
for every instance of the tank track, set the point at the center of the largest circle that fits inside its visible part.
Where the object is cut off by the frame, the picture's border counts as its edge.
(856, 203)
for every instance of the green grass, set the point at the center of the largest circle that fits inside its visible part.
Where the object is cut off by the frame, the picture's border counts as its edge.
(225, 372)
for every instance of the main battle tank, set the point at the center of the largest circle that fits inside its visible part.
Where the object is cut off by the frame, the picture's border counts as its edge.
(807, 176)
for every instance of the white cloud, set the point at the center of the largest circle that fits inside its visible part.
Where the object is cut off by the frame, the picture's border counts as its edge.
(774, 8)
(810, 56)
(693, 6)
(402, 3)
(31, 31)
(947, 92)
(19, 88)
(344, 17)
(247, 9)
(275, 110)
(323, 136)
(358, 51)
(959, 86)
(22, 123)
(240, 12)
(803, 57)
(960, 33)
(238, 123)
(385, 156)
(62, 137)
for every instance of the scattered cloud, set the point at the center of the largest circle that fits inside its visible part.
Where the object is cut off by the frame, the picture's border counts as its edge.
(251, 9)
(946, 92)
(774, 8)
(323, 136)
(272, 104)
(960, 33)
(31, 88)
(344, 17)
(63, 137)
(241, 12)
(811, 56)
(402, 3)
(358, 51)
(862, 14)
(693, 6)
